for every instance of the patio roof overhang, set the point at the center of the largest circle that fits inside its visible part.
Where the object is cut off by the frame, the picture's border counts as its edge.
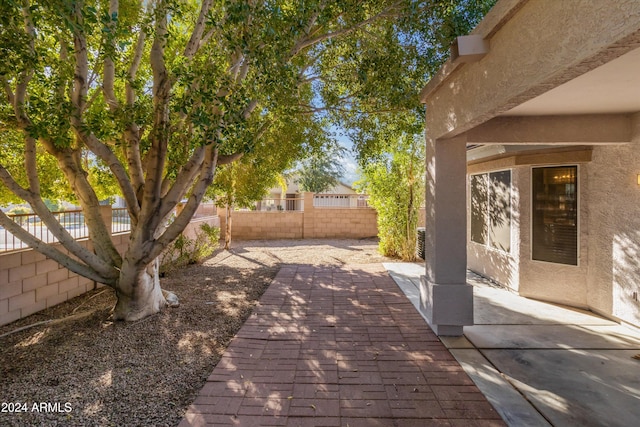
(568, 69)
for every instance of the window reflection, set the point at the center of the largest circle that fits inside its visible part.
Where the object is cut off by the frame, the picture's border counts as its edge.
(555, 214)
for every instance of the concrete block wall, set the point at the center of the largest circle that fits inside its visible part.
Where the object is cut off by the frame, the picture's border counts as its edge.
(31, 282)
(312, 223)
(342, 223)
(193, 228)
(264, 225)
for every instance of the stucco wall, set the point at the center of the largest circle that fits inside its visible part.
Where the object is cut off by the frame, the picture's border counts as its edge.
(500, 266)
(614, 241)
(526, 54)
(607, 278)
(547, 281)
(536, 46)
(516, 270)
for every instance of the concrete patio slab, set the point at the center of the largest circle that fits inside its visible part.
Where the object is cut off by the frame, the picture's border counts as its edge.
(515, 410)
(559, 336)
(496, 306)
(575, 387)
(544, 364)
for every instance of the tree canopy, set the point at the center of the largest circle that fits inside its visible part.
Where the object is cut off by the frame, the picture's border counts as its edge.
(322, 169)
(147, 99)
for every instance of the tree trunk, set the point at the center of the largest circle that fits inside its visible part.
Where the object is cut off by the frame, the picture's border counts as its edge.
(139, 293)
(227, 229)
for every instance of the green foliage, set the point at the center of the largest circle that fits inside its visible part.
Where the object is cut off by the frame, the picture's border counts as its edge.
(185, 251)
(322, 170)
(385, 71)
(395, 185)
(20, 210)
(382, 73)
(249, 179)
(364, 69)
(53, 205)
(142, 100)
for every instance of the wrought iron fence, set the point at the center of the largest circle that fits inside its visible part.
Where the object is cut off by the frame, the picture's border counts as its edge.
(72, 221)
(120, 220)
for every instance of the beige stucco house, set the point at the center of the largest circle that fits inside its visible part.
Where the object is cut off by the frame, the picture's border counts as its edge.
(533, 160)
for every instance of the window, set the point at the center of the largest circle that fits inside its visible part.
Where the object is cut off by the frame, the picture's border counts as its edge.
(554, 226)
(491, 209)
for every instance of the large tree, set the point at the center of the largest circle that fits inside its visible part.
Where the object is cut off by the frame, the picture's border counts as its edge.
(249, 180)
(151, 97)
(386, 126)
(321, 170)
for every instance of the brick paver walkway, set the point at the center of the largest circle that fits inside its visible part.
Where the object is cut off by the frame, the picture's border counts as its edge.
(338, 346)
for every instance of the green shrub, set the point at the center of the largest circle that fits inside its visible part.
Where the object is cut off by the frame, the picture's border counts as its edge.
(395, 184)
(185, 251)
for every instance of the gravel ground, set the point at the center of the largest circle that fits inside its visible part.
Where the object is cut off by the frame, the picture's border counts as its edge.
(79, 368)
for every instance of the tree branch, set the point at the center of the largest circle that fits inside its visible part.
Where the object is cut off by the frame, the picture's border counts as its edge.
(132, 133)
(8, 91)
(230, 158)
(79, 94)
(53, 253)
(196, 36)
(25, 76)
(156, 156)
(177, 226)
(53, 225)
(31, 165)
(183, 181)
(104, 152)
(109, 68)
(306, 42)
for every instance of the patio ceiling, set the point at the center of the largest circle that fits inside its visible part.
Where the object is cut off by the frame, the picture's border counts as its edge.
(612, 88)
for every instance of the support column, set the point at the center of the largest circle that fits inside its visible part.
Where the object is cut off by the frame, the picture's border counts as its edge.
(445, 297)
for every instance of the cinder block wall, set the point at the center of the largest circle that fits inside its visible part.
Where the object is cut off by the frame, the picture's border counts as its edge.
(342, 223)
(193, 228)
(312, 223)
(263, 225)
(30, 282)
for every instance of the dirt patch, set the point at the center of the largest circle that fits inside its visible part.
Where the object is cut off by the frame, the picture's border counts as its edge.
(88, 370)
